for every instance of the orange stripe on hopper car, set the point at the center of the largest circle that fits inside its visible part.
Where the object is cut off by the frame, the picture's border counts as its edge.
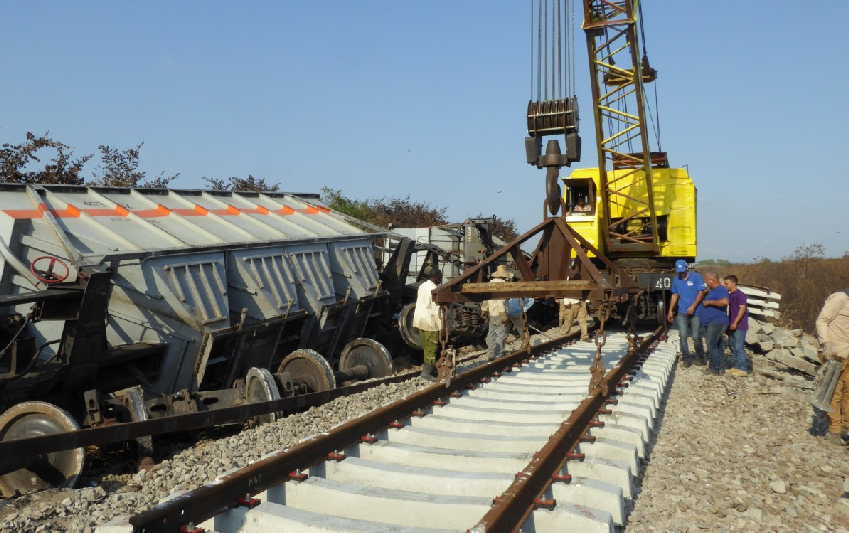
(160, 211)
(119, 211)
(71, 211)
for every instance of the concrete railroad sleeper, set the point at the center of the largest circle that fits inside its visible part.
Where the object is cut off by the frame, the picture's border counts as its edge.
(21, 453)
(432, 462)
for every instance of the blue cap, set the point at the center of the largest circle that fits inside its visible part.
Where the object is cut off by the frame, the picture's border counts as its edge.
(681, 265)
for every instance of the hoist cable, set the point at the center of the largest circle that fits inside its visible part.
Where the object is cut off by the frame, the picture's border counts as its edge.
(656, 119)
(531, 31)
(544, 23)
(558, 58)
(572, 50)
(642, 28)
(539, 52)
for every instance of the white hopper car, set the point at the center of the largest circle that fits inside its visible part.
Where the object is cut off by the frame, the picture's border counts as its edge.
(137, 303)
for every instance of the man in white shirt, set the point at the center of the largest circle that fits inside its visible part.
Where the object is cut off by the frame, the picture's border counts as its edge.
(833, 332)
(427, 320)
(496, 310)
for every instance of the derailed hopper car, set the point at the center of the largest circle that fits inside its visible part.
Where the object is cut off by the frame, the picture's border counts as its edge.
(136, 303)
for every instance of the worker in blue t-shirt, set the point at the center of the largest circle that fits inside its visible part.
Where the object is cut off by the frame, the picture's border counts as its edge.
(714, 318)
(688, 290)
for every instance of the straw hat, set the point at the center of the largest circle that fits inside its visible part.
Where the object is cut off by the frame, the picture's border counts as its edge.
(502, 273)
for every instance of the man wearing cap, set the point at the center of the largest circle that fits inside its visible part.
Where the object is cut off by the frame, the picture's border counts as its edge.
(496, 310)
(688, 291)
(427, 320)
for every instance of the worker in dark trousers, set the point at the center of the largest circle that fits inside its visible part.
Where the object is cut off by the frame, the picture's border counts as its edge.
(714, 319)
(427, 320)
(496, 311)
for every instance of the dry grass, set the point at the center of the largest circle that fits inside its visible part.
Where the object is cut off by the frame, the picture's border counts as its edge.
(804, 284)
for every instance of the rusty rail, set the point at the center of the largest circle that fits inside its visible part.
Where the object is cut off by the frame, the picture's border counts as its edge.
(518, 501)
(20, 453)
(206, 501)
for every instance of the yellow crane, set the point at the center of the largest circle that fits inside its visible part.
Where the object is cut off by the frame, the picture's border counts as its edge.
(633, 205)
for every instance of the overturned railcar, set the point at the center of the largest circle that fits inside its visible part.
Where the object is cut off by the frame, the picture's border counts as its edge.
(138, 303)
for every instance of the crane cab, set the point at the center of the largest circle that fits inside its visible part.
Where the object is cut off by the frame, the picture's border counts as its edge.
(674, 200)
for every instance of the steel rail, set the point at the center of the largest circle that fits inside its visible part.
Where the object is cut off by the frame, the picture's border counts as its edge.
(204, 502)
(513, 507)
(21, 453)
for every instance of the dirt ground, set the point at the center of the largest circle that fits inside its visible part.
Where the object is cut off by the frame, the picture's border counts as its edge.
(734, 454)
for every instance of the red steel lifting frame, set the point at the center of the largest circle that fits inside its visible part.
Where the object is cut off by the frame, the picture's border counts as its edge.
(550, 272)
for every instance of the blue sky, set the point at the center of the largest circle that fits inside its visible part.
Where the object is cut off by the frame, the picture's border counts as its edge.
(427, 99)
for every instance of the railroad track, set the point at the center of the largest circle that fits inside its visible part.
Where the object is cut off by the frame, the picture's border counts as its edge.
(26, 452)
(446, 458)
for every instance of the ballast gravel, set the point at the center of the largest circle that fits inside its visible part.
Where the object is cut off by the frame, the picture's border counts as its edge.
(734, 454)
(80, 510)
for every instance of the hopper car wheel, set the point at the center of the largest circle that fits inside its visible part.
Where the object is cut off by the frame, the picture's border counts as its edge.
(405, 326)
(261, 387)
(307, 370)
(56, 469)
(366, 354)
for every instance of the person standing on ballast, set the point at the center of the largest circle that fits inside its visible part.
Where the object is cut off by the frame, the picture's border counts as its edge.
(714, 318)
(688, 291)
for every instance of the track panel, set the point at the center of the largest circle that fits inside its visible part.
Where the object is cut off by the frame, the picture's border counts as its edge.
(440, 471)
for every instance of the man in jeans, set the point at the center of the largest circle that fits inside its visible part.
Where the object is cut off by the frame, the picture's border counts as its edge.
(738, 318)
(714, 318)
(688, 290)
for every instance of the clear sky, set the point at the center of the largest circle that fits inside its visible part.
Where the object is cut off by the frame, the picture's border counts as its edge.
(427, 99)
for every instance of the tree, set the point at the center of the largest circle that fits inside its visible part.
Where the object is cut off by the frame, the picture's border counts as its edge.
(805, 254)
(387, 212)
(334, 199)
(406, 213)
(120, 168)
(808, 251)
(15, 160)
(233, 183)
